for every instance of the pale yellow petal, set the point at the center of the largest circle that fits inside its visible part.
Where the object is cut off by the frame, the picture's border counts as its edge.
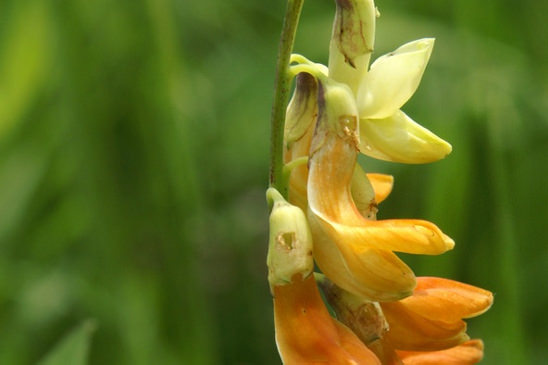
(400, 139)
(393, 78)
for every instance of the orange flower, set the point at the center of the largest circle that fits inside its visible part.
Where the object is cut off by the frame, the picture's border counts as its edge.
(424, 328)
(305, 331)
(307, 334)
(431, 318)
(353, 251)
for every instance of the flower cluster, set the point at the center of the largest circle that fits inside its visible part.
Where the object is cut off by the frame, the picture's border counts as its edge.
(384, 314)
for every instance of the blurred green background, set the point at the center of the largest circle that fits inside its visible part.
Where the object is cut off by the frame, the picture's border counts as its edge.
(134, 159)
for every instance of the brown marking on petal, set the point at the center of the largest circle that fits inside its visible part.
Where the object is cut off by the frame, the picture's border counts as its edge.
(348, 31)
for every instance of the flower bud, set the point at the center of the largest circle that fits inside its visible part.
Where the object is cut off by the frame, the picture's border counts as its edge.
(290, 243)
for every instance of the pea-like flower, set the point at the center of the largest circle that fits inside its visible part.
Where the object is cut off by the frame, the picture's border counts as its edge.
(353, 251)
(383, 313)
(432, 318)
(386, 132)
(426, 326)
(305, 331)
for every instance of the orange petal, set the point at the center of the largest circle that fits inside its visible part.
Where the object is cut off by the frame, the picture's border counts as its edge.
(330, 172)
(467, 353)
(447, 300)
(410, 331)
(382, 185)
(307, 334)
(377, 275)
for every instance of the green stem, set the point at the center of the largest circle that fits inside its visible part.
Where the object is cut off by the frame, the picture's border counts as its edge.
(281, 95)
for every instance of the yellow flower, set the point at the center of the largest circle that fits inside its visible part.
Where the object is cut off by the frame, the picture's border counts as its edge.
(354, 252)
(386, 132)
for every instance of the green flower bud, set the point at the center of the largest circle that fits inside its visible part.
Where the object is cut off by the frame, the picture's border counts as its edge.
(290, 242)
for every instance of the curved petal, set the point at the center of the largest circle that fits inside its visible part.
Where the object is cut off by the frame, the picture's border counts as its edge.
(307, 334)
(331, 169)
(393, 78)
(409, 331)
(377, 275)
(382, 185)
(302, 108)
(400, 139)
(467, 353)
(401, 235)
(447, 300)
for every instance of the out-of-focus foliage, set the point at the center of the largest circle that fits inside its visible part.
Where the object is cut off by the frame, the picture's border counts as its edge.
(134, 159)
(73, 348)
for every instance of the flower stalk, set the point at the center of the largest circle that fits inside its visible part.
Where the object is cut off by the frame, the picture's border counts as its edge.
(281, 94)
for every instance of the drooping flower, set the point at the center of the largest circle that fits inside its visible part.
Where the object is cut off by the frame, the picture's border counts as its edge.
(426, 326)
(432, 318)
(305, 331)
(353, 251)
